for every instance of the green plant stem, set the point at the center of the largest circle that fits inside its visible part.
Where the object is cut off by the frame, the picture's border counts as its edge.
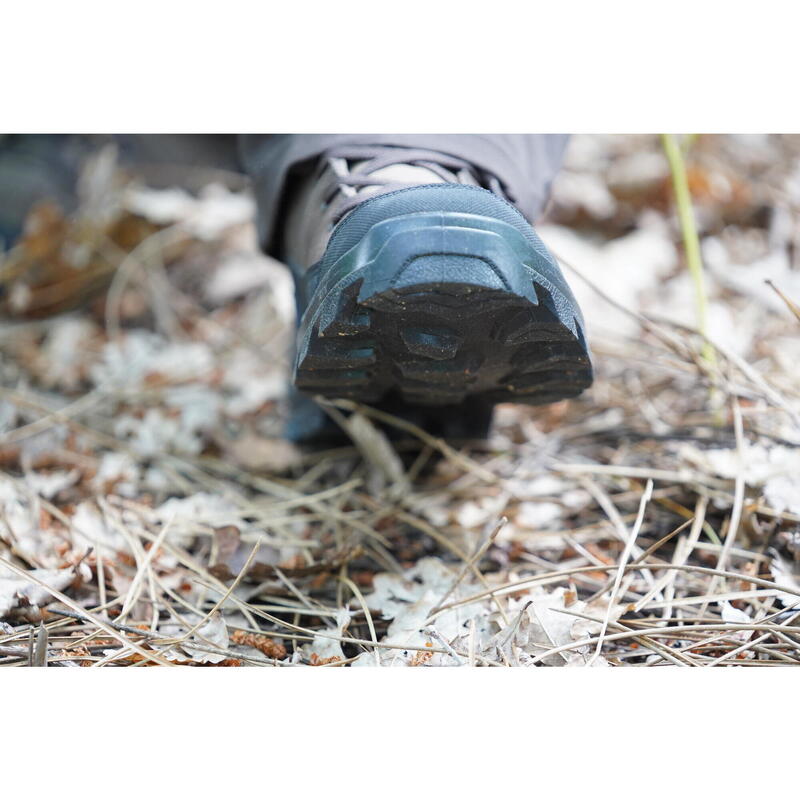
(691, 241)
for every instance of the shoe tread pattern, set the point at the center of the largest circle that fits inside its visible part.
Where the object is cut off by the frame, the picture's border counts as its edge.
(436, 343)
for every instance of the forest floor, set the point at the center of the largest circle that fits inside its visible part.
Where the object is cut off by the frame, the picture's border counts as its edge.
(152, 513)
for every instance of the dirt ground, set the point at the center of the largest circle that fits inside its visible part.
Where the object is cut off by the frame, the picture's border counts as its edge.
(152, 513)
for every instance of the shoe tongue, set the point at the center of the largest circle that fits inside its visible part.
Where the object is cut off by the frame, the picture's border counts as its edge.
(403, 173)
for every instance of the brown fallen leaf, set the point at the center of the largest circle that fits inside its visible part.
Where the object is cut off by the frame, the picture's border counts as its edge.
(258, 453)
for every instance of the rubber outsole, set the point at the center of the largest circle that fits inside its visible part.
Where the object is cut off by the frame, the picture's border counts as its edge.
(439, 307)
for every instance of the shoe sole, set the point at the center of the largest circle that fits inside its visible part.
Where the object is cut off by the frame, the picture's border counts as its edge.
(439, 307)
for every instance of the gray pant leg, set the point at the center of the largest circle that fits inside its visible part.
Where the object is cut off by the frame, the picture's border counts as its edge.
(524, 163)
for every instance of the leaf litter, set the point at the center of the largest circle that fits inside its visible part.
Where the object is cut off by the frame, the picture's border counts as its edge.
(147, 491)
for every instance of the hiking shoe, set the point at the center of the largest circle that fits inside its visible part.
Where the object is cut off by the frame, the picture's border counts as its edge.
(421, 287)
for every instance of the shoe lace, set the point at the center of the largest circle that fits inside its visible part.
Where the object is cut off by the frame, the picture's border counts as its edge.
(353, 167)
